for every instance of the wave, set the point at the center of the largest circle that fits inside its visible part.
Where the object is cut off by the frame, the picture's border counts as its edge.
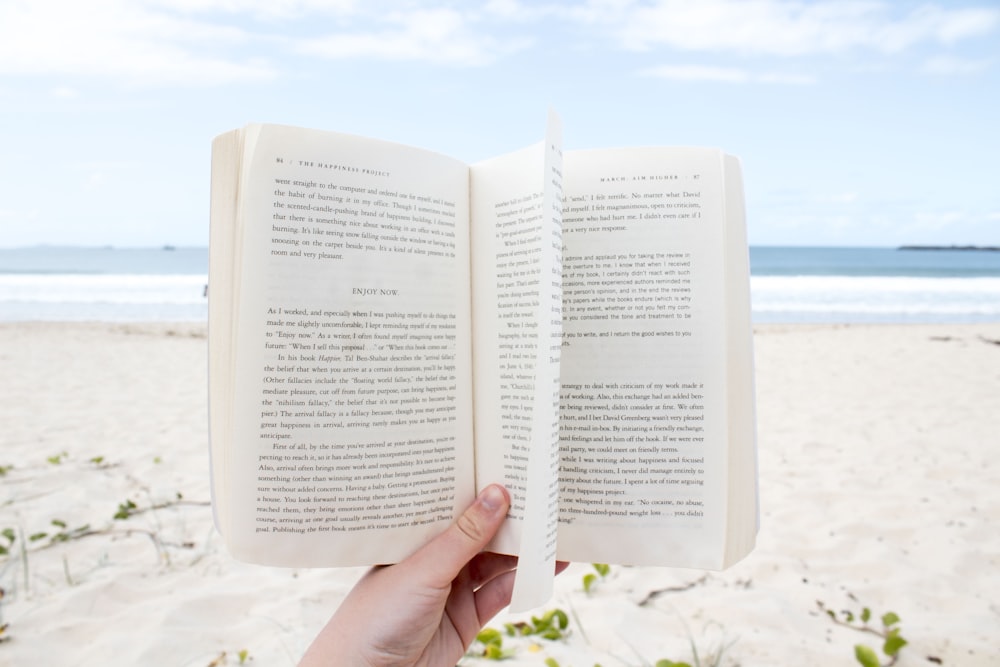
(102, 288)
(797, 298)
(875, 299)
(103, 297)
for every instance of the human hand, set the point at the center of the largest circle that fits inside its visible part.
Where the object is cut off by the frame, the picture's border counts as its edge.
(427, 609)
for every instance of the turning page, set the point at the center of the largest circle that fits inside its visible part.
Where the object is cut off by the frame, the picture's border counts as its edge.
(517, 297)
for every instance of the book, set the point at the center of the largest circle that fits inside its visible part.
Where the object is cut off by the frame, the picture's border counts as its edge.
(391, 330)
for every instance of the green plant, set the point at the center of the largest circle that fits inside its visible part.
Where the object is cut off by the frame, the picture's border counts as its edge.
(41, 539)
(892, 640)
(125, 510)
(128, 508)
(712, 657)
(56, 459)
(64, 534)
(3, 626)
(551, 625)
(590, 578)
(243, 656)
(492, 642)
(9, 535)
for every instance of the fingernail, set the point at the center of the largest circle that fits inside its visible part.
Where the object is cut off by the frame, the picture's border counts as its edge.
(493, 498)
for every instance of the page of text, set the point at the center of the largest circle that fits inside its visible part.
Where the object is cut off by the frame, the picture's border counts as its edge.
(537, 554)
(643, 399)
(517, 326)
(353, 358)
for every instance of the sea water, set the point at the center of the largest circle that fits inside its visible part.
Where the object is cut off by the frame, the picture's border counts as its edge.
(103, 284)
(787, 284)
(877, 285)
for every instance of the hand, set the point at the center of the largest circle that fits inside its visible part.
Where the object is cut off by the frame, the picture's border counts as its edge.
(427, 609)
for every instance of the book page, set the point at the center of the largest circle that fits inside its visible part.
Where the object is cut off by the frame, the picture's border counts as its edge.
(350, 415)
(226, 150)
(644, 420)
(517, 325)
(744, 499)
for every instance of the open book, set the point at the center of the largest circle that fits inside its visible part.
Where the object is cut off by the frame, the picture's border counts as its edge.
(391, 330)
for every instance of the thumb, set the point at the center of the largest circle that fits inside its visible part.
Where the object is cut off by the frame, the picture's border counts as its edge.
(443, 557)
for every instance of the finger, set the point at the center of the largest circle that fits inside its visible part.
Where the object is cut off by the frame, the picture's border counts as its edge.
(487, 565)
(442, 558)
(495, 592)
(493, 596)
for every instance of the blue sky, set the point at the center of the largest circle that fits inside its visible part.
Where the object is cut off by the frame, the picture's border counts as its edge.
(858, 123)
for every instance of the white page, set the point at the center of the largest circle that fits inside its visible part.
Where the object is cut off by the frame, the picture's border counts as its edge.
(643, 423)
(352, 351)
(516, 287)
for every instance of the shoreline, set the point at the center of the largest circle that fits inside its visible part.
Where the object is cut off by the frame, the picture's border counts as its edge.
(878, 488)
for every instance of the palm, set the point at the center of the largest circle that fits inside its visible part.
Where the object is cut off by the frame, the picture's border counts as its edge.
(434, 625)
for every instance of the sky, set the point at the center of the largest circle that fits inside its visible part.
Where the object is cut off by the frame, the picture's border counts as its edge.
(858, 123)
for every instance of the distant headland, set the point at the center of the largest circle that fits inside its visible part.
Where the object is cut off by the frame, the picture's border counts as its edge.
(983, 248)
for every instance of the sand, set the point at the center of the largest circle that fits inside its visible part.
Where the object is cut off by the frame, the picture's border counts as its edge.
(880, 487)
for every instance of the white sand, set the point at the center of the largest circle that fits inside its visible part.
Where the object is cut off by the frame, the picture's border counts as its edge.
(879, 486)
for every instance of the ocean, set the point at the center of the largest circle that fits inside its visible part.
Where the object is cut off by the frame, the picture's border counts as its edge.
(874, 285)
(52, 283)
(788, 284)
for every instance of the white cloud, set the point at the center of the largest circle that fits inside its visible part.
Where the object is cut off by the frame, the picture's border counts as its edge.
(196, 42)
(118, 39)
(840, 198)
(954, 66)
(709, 73)
(64, 93)
(778, 27)
(515, 11)
(96, 180)
(938, 220)
(261, 7)
(434, 35)
(698, 73)
(204, 42)
(99, 174)
(22, 218)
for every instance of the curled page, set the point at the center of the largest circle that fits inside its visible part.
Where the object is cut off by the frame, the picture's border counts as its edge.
(537, 552)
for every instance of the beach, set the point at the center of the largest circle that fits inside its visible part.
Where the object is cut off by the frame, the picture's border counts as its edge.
(879, 488)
